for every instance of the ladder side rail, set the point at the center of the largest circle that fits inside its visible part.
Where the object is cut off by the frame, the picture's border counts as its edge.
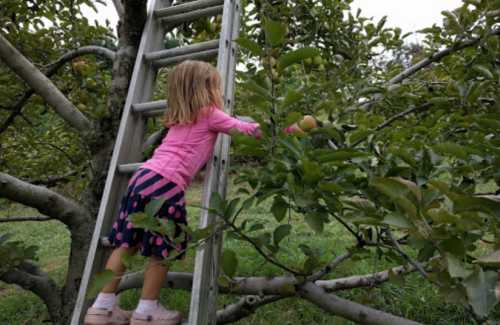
(198, 312)
(225, 163)
(131, 130)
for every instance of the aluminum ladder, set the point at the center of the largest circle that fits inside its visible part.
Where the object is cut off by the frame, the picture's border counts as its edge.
(161, 17)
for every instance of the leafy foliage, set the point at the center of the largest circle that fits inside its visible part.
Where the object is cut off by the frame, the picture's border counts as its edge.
(370, 166)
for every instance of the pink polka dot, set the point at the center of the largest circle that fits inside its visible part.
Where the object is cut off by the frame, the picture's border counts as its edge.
(178, 214)
(125, 245)
(159, 241)
(171, 210)
(164, 253)
(119, 236)
(134, 204)
(130, 225)
(178, 247)
(115, 225)
(123, 215)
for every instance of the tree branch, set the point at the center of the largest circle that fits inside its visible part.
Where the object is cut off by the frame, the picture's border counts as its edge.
(437, 57)
(44, 200)
(52, 68)
(30, 277)
(245, 307)
(32, 218)
(53, 180)
(330, 267)
(349, 309)
(43, 86)
(393, 118)
(119, 8)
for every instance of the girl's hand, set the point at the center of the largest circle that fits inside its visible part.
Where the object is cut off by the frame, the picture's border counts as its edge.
(257, 133)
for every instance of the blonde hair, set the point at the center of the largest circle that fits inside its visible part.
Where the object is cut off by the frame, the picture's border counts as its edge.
(192, 85)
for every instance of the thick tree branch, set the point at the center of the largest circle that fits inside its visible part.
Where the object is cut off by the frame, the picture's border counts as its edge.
(43, 86)
(437, 57)
(19, 219)
(348, 309)
(44, 200)
(368, 280)
(52, 68)
(244, 307)
(29, 277)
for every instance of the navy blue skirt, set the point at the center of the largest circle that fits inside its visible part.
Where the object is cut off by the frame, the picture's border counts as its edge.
(145, 185)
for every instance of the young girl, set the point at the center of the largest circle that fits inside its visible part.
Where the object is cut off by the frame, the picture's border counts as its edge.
(194, 118)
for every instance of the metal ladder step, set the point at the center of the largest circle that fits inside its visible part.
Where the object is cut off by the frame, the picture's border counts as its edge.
(201, 55)
(128, 168)
(186, 7)
(195, 51)
(189, 16)
(150, 109)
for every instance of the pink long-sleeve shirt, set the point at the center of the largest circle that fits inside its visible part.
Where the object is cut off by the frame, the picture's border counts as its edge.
(187, 147)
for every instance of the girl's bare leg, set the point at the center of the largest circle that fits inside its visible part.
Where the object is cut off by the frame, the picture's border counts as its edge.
(154, 277)
(115, 264)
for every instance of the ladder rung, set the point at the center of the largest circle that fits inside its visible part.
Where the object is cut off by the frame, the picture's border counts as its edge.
(128, 168)
(202, 55)
(203, 46)
(190, 16)
(149, 106)
(185, 7)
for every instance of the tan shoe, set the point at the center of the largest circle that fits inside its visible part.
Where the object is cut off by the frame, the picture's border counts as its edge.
(160, 316)
(115, 316)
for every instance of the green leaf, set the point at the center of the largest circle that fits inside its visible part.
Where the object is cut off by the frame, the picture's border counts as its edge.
(142, 220)
(100, 280)
(250, 45)
(359, 135)
(312, 171)
(491, 260)
(449, 148)
(480, 289)
(292, 97)
(315, 222)
(229, 262)
(340, 155)
(230, 209)
(483, 71)
(279, 208)
(217, 203)
(275, 32)
(257, 89)
(456, 268)
(281, 232)
(154, 206)
(297, 56)
(397, 220)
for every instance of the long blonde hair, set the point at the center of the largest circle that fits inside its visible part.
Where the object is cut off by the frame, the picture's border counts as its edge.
(192, 85)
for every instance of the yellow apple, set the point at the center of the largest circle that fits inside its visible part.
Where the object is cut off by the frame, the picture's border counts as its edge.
(308, 123)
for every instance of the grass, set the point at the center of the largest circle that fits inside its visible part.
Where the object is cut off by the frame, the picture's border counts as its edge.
(416, 299)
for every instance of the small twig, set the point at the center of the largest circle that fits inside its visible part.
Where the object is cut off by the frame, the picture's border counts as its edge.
(393, 118)
(331, 266)
(260, 251)
(398, 248)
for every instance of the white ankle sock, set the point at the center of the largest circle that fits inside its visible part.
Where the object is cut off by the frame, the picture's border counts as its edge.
(105, 301)
(146, 306)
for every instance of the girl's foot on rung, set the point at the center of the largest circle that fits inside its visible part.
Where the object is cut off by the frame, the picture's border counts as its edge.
(159, 316)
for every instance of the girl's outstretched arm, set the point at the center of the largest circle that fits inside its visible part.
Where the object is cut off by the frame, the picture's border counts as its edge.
(219, 121)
